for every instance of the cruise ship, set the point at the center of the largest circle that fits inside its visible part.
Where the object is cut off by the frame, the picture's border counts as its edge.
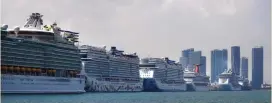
(228, 81)
(244, 82)
(110, 70)
(196, 81)
(40, 59)
(161, 75)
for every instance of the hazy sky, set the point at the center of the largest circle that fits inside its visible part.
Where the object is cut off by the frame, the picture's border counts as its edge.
(157, 28)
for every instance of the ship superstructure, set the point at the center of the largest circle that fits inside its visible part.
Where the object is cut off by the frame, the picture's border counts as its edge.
(161, 74)
(228, 81)
(40, 59)
(195, 81)
(110, 71)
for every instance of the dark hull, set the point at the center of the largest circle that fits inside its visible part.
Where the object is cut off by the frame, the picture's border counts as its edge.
(190, 87)
(149, 85)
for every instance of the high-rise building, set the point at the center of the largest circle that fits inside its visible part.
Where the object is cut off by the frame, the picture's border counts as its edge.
(203, 65)
(225, 58)
(257, 67)
(235, 59)
(216, 64)
(185, 53)
(244, 67)
(194, 57)
(185, 60)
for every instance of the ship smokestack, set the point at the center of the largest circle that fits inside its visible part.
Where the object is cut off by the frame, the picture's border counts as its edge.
(197, 68)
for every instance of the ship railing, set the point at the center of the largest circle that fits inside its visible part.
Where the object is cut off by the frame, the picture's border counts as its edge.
(120, 79)
(47, 42)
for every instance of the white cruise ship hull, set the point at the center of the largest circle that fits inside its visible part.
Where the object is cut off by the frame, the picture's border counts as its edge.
(193, 87)
(153, 85)
(41, 84)
(94, 85)
(228, 87)
(202, 88)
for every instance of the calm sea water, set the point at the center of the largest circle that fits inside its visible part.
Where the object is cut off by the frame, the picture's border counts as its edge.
(262, 96)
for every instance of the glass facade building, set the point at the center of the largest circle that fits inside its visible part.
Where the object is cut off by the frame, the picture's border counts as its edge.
(217, 62)
(244, 68)
(257, 67)
(235, 59)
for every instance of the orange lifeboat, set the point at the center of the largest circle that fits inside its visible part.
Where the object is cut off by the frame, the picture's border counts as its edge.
(17, 69)
(54, 71)
(33, 70)
(4, 68)
(22, 69)
(10, 68)
(28, 69)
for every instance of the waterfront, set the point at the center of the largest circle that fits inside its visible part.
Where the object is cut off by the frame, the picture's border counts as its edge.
(261, 96)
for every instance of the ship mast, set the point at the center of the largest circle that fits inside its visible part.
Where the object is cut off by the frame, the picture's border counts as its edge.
(34, 21)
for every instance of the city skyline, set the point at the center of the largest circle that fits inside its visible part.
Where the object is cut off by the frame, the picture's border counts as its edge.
(158, 28)
(220, 57)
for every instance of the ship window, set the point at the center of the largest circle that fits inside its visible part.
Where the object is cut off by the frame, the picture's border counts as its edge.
(83, 55)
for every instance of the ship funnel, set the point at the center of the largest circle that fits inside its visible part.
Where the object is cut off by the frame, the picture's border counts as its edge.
(197, 68)
(34, 21)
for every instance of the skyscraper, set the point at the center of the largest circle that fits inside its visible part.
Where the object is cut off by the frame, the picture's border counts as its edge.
(195, 57)
(185, 53)
(235, 59)
(185, 59)
(216, 64)
(244, 68)
(225, 58)
(203, 65)
(257, 67)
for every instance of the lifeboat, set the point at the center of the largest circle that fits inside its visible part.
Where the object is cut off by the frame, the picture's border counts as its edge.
(4, 68)
(10, 68)
(17, 69)
(49, 71)
(33, 70)
(38, 70)
(54, 71)
(28, 69)
(71, 72)
(22, 69)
